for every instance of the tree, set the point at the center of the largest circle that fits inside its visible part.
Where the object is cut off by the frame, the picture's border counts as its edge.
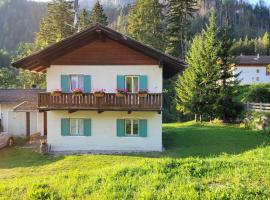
(56, 25)
(198, 88)
(266, 42)
(146, 24)
(179, 13)
(24, 78)
(8, 78)
(98, 15)
(84, 19)
(227, 108)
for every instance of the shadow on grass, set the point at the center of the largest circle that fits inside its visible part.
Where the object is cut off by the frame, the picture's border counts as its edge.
(19, 157)
(209, 140)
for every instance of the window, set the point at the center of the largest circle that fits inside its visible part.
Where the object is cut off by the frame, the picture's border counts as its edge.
(257, 70)
(76, 82)
(131, 127)
(257, 78)
(76, 127)
(132, 84)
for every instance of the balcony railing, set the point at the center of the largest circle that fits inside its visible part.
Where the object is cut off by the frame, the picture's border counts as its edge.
(131, 102)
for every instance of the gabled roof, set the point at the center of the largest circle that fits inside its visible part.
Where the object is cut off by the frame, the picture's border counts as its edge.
(253, 60)
(41, 60)
(19, 95)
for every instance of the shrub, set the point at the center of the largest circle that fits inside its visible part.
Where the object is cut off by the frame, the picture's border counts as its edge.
(258, 93)
(42, 192)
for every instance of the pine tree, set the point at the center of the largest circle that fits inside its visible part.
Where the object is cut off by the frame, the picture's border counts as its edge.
(84, 19)
(145, 23)
(198, 88)
(227, 107)
(98, 15)
(177, 20)
(56, 25)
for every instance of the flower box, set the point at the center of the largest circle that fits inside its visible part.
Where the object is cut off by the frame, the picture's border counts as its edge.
(57, 93)
(143, 93)
(77, 92)
(121, 93)
(99, 93)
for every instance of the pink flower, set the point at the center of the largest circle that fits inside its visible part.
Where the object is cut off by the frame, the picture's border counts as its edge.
(77, 90)
(99, 90)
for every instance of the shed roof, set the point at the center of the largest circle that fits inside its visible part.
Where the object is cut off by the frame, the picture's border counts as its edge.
(19, 95)
(41, 60)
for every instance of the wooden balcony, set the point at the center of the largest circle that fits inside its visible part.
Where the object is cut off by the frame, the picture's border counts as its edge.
(110, 102)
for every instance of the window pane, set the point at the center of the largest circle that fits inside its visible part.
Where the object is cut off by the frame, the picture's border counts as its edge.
(80, 83)
(73, 125)
(135, 84)
(128, 127)
(135, 127)
(74, 82)
(129, 84)
(80, 127)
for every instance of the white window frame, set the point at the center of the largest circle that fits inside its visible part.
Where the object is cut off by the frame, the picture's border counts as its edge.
(78, 81)
(132, 123)
(132, 83)
(77, 127)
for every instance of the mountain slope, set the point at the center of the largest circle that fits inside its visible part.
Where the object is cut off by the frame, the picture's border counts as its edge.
(19, 20)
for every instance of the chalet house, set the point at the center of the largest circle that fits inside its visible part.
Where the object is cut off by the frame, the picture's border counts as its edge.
(100, 60)
(19, 112)
(254, 69)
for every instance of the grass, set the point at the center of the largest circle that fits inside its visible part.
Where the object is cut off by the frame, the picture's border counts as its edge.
(201, 162)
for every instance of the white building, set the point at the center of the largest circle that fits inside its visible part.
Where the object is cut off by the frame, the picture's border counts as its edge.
(253, 69)
(100, 58)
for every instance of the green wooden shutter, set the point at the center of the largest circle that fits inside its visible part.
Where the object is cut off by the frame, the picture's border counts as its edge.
(87, 83)
(87, 127)
(65, 127)
(120, 82)
(143, 128)
(120, 127)
(143, 82)
(65, 83)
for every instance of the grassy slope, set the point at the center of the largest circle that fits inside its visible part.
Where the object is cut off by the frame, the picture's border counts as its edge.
(193, 167)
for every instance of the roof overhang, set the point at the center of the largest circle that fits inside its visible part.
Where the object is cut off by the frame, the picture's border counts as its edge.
(41, 60)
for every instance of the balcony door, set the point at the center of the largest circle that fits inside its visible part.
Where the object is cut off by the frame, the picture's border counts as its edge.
(132, 84)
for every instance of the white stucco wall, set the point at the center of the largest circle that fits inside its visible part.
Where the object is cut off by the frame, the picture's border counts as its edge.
(5, 108)
(248, 75)
(105, 76)
(17, 123)
(104, 134)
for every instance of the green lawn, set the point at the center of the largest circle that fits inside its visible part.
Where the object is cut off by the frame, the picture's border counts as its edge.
(201, 162)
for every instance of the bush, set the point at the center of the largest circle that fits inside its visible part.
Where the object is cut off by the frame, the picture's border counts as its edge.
(258, 93)
(42, 192)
